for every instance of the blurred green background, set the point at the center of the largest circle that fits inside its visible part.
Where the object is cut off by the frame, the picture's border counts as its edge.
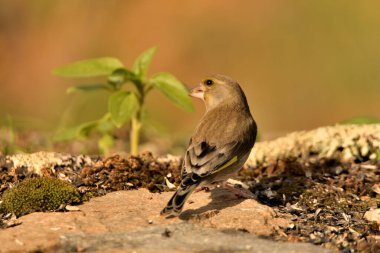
(303, 64)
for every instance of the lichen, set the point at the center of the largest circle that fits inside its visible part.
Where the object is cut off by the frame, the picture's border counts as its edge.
(38, 161)
(345, 143)
(39, 194)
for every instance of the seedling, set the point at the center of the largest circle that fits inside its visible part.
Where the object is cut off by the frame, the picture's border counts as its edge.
(125, 104)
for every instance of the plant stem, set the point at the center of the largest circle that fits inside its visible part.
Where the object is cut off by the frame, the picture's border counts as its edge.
(137, 123)
(135, 135)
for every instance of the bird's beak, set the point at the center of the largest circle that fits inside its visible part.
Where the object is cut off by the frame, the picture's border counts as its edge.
(197, 92)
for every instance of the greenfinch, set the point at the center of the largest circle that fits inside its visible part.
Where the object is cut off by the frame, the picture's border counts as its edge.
(221, 143)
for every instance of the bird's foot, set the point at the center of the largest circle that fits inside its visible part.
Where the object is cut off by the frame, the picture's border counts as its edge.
(203, 188)
(238, 188)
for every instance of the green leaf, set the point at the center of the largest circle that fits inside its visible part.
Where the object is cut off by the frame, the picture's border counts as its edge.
(89, 68)
(106, 143)
(106, 124)
(141, 65)
(360, 121)
(173, 89)
(122, 105)
(87, 88)
(67, 134)
(80, 131)
(85, 129)
(120, 76)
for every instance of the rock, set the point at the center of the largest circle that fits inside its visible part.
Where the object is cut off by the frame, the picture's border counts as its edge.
(225, 211)
(46, 162)
(342, 142)
(130, 220)
(373, 215)
(72, 208)
(177, 238)
(376, 188)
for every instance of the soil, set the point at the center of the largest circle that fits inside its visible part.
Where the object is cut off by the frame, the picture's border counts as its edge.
(327, 198)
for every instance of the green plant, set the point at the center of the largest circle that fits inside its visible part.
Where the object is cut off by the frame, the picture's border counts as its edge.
(360, 120)
(39, 194)
(8, 136)
(125, 102)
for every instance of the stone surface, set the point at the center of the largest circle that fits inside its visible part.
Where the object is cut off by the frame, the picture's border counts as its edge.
(38, 161)
(177, 238)
(373, 215)
(126, 221)
(342, 142)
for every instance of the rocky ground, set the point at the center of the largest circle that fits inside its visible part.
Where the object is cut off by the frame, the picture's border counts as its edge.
(319, 187)
(127, 221)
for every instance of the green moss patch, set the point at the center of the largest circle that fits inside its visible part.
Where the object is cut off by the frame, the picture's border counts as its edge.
(38, 195)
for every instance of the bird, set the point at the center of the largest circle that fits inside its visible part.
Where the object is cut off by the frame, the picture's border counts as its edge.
(220, 144)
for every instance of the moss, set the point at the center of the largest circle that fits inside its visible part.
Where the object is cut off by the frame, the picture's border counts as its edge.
(39, 194)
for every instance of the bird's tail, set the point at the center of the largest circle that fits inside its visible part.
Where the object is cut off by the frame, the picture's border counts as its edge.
(177, 201)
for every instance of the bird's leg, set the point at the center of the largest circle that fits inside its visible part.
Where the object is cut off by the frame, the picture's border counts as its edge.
(202, 188)
(239, 189)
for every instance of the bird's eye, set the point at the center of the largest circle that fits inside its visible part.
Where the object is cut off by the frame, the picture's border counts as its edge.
(209, 82)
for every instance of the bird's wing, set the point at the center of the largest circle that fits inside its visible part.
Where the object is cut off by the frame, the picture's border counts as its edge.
(204, 159)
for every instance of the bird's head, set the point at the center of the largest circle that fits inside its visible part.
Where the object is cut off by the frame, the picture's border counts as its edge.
(217, 90)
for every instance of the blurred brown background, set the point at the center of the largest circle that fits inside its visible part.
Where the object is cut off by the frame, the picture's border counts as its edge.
(303, 64)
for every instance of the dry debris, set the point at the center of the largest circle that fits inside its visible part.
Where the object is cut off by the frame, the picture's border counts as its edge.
(92, 174)
(327, 208)
(327, 179)
(116, 173)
